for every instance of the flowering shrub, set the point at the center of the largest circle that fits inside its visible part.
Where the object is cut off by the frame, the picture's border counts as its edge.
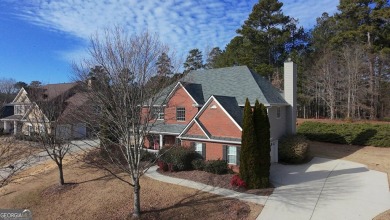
(162, 165)
(237, 182)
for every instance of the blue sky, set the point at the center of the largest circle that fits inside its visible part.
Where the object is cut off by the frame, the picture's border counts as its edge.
(39, 39)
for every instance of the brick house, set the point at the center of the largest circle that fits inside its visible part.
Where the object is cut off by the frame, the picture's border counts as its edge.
(205, 110)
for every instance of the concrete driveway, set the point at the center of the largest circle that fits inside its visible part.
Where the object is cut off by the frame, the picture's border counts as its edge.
(326, 189)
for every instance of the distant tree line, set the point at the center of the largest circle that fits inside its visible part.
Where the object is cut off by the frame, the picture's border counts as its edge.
(343, 61)
(9, 88)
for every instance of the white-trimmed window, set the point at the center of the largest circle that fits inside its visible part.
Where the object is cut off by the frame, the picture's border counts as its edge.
(277, 112)
(199, 148)
(180, 114)
(158, 113)
(231, 155)
(19, 109)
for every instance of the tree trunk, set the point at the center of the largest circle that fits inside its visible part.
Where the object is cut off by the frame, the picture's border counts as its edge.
(137, 202)
(61, 173)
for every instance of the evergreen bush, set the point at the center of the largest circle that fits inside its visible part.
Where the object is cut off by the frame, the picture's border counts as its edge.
(216, 167)
(364, 134)
(179, 158)
(294, 149)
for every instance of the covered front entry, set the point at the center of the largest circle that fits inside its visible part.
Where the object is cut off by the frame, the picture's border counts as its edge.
(158, 141)
(11, 126)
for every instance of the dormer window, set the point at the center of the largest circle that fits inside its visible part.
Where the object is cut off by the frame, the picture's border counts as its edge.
(19, 109)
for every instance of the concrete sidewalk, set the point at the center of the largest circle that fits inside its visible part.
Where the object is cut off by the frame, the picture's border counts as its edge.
(326, 189)
(152, 173)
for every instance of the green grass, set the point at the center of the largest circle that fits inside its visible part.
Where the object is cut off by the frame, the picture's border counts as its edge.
(364, 134)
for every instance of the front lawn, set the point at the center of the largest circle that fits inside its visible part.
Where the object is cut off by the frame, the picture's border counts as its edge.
(95, 194)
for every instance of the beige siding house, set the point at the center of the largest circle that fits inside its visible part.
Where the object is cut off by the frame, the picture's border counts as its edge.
(44, 108)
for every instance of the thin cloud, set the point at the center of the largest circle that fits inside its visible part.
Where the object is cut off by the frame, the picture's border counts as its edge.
(183, 24)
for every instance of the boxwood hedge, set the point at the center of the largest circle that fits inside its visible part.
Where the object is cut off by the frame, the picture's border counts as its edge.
(347, 133)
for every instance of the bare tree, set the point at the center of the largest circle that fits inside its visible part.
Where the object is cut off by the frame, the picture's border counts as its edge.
(7, 88)
(326, 80)
(354, 69)
(13, 158)
(121, 89)
(48, 127)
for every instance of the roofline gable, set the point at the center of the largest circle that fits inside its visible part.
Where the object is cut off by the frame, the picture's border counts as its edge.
(204, 107)
(227, 113)
(19, 94)
(193, 121)
(175, 88)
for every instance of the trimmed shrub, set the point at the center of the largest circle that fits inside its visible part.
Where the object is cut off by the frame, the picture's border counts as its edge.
(236, 181)
(348, 133)
(178, 158)
(33, 137)
(198, 164)
(293, 149)
(148, 156)
(216, 167)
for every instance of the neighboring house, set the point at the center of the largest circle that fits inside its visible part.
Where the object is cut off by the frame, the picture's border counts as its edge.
(46, 107)
(205, 110)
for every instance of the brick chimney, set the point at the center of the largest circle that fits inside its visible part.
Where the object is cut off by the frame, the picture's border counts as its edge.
(290, 95)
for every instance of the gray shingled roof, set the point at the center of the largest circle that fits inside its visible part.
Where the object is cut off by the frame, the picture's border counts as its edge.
(161, 127)
(238, 81)
(13, 117)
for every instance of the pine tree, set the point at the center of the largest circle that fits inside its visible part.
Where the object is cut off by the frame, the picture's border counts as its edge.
(212, 58)
(164, 65)
(266, 32)
(194, 60)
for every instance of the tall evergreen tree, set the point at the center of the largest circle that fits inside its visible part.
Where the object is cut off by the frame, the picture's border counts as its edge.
(262, 134)
(250, 167)
(194, 60)
(212, 58)
(266, 30)
(164, 65)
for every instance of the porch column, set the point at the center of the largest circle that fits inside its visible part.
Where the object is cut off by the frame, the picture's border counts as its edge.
(6, 127)
(15, 127)
(161, 140)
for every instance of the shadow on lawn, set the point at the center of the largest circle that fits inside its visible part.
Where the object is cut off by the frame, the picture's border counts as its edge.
(335, 150)
(200, 205)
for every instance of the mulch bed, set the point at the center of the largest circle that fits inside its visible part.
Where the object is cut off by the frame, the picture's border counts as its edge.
(222, 181)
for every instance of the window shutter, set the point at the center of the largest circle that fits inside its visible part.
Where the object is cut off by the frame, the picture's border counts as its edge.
(238, 155)
(224, 152)
(204, 151)
(192, 144)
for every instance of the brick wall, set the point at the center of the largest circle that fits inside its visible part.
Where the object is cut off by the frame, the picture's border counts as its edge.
(217, 122)
(214, 151)
(180, 99)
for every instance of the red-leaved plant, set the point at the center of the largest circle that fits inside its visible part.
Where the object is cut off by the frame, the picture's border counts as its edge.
(236, 181)
(162, 165)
